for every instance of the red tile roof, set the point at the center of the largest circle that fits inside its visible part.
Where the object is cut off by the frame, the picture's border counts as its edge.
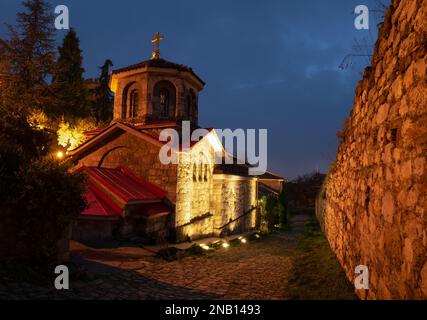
(99, 204)
(120, 183)
(125, 185)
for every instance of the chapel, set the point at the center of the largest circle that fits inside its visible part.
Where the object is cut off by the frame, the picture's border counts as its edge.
(133, 195)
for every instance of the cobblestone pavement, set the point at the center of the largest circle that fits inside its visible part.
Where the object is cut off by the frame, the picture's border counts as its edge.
(256, 270)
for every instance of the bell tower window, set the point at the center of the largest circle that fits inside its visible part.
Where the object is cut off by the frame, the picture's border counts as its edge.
(164, 99)
(127, 100)
(134, 100)
(164, 102)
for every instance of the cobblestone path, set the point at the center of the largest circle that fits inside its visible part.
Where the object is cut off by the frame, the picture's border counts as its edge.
(256, 270)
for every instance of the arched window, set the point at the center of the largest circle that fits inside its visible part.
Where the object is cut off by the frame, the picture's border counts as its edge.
(164, 102)
(194, 172)
(206, 175)
(200, 173)
(125, 97)
(164, 99)
(134, 100)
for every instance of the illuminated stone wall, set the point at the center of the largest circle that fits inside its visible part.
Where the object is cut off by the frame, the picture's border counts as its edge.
(232, 197)
(373, 204)
(194, 187)
(206, 202)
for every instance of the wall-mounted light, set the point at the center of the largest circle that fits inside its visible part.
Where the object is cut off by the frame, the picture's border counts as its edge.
(60, 154)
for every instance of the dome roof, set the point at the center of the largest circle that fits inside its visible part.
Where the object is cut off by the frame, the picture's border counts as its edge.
(158, 63)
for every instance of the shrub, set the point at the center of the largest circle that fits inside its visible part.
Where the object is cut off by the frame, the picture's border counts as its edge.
(283, 209)
(49, 200)
(39, 196)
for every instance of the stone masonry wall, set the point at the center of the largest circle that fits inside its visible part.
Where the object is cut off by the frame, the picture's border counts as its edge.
(231, 198)
(194, 187)
(373, 204)
(206, 201)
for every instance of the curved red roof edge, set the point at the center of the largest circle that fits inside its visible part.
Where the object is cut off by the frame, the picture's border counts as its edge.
(110, 208)
(155, 193)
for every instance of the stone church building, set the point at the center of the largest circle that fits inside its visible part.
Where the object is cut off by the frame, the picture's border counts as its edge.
(133, 194)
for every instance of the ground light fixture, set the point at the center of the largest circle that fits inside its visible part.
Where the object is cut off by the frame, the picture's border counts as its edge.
(225, 244)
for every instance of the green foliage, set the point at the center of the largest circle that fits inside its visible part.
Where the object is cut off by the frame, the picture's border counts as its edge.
(30, 53)
(39, 196)
(16, 133)
(48, 201)
(68, 83)
(103, 105)
(283, 209)
(274, 211)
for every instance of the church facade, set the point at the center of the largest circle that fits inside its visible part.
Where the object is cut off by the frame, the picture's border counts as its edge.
(133, 194)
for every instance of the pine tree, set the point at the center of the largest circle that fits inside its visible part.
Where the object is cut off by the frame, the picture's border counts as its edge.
(30, 51)
(68, 82)
(103, 106)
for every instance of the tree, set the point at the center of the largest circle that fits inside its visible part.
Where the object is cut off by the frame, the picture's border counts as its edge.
(272, 213)
(30, 51)
(39, 197)
(103, 105)
(283, 209)
(68, 83)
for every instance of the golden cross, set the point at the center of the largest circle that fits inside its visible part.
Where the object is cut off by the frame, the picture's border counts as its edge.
(156, 53)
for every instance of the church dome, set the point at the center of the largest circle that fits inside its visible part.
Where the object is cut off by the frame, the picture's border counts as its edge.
(158, 63)
(156, 89)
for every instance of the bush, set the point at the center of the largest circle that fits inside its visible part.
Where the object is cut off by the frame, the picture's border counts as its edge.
(283, 209)
(49, 200)
(274, 211)
(39, 196)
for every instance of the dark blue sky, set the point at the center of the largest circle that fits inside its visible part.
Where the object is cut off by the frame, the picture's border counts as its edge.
(266, 64)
